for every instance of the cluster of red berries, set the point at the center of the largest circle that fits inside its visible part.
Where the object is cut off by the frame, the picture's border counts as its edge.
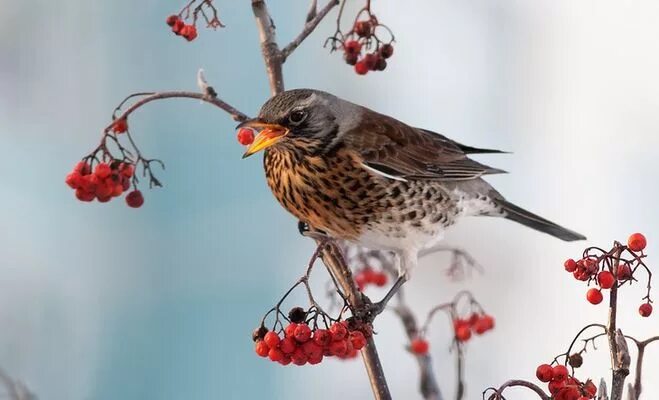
(104, 182)
(588, 269)
(369, 276)
(180, 28)
(373, 61)
(300, 344)
(476, 323)
(245, 136)
(562, 386)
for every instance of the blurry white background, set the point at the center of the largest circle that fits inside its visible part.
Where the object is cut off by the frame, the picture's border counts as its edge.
(102, 302)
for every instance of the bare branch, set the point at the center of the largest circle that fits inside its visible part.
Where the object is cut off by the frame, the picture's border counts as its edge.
(269, 47)
(497, 395)
(217, 102)
(617, 344)
(308, 28)
(16, 390)
(313, 10)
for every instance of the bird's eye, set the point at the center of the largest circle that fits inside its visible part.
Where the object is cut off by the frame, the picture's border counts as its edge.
(296, 117)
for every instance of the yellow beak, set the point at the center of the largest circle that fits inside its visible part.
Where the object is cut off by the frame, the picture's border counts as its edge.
(269, 134)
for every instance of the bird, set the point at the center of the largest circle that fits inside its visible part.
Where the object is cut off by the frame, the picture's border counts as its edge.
(369, 179)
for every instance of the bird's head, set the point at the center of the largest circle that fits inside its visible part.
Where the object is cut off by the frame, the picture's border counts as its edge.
(303, 120)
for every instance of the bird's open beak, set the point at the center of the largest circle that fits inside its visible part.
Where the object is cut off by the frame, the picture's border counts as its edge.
(269, 134)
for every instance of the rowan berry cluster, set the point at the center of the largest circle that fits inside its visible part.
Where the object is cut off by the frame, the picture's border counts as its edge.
(564, 386)
(191, 12)
(477, 323)
(369, 276)
(612, 268)
(103, 182)
(362, 46)
(303, 342)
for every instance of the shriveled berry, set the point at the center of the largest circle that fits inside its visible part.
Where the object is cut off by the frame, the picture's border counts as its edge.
(363, 28)
(371, 60)
(381, 64)
(297, 315)
(387, 50)
(636, 242)
(590, 388)
(259, 333)
(575, 360)
(419, 346)
(606, 280)
(560, 373)
(135, 199)
(544, 373)
(302, 333)
(645, 309)
(624, 272)
(272, 339)
(594, 296)
(322, 337)
(171, 20)
(351, 59)
(262, 348)
(339, 331)
(570, 265)
(361, 68)
(120, 125)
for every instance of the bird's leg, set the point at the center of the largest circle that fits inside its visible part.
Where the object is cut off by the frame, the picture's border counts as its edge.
(407, 261)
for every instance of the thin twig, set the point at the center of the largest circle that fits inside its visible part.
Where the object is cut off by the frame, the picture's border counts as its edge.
(619, 355)
(309, 27)
(515, 382)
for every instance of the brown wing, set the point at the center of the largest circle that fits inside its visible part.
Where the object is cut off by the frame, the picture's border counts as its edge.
(401, 151)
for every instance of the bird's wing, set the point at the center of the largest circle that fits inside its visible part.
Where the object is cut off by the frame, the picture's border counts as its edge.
(399, 151)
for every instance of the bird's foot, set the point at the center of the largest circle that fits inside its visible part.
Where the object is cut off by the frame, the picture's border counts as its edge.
(372, 310)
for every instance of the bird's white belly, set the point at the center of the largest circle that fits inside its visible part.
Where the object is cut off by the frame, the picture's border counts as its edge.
(402, 237)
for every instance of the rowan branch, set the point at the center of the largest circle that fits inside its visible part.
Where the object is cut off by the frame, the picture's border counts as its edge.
(269, 46)
(637, 388)
(497, 395)
(309, 27)
(617, 346)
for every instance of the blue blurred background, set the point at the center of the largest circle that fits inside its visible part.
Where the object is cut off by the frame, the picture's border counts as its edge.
(99, 301)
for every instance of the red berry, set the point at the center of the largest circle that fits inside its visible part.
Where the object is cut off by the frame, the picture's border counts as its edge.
(544, 373)
(178, 26)
(120, 125)
(606, 279)
(285, 360)
(380, 279)
(322, 337)
(82, 168)
(645, 309)
(594, 296)
(560, 373)
(381, 64)
(361, 68)
(104, 191)
(312, 350)
(624, 272)
(488, 322)
(262, 348)
(134, 199)
(351, 59)
(271, 339)
(338, 348)
(290, 329)
(371, 60)
(554, 386)
(288, 345)
(590, 388)
(83, 195)
(299, 357)
(245, 136)
(419, 346)
(357, 339)
(102, 170)
(570, 265)
(361, 280)
(363, 28)
(352, 47)
(387, 50)
(126, 170)
(636, 242)
(275, 354)
(73, 179)
(339, 331)
(171, 20)
(463, 333)
(189, 32)
(302, 333)
(118, 190)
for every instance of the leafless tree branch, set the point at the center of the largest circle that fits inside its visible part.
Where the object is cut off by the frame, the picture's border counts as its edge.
(309, 27)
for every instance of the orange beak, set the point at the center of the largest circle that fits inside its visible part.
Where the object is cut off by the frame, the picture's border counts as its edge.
(269, 134)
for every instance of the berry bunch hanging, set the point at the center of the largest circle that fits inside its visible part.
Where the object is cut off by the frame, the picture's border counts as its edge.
(615, 267)
(477, 323)
(302, 341)
(103, 181)
(564, 386)
(364, 45)
(190, 13)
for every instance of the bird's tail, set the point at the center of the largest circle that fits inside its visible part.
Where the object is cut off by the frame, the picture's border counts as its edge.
(536, 222)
